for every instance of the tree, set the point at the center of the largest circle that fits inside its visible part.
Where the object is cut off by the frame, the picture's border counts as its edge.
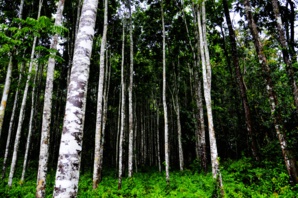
(47, 110)
(98, 133)
(23, 105)
(130, 101)
(164, 101)
(240, 82)
(206, 71)
(122, 121)
(289, 161)
(67, 174)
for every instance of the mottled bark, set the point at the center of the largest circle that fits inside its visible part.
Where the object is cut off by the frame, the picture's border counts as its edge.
(288, 158)
(5, 92)
(240, 82)
(206, 71)
(23, 108)
(130, 102)
(164, 101)
(98, 128)
(47, 110)
(122, 123)
(69, 161)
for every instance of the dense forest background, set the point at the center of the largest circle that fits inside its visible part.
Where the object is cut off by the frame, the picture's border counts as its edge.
(152, 57)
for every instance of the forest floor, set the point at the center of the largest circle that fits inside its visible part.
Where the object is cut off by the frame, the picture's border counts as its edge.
(242, 178)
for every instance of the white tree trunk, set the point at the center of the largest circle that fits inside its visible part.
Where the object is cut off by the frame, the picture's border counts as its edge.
(130, 102)
(15, 104)
(30, 124)
(67, 175)
(47, 111)
(22, 110)
(206, 70)
(5, 93)
(164, 101)
(98, 128)
(122, 110)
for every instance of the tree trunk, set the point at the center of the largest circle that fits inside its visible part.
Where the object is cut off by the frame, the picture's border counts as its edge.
(206, 70)
(30, 124)
(47, 110)
(122, 111)
(10, 129)
(130, 102)
(22, 110)
(164, 101)
(98, 129)
(67, 175)
(5, 92)
(285, 51)
(289, 161)
(240, 82)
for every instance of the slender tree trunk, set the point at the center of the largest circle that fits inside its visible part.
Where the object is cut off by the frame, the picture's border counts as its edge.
(240, 82)
(68, 168)
(122, 112)
(10, 129)
(130, 102)
(105, 110)
(288, 158)
(30, 124)
(47, 111)
(98, 129)
(164, 101)
(5, 92)
(22, 110)
(285, 50)
(206, 70)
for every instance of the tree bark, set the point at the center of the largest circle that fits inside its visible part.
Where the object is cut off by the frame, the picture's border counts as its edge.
(122, 112)
(67, 174)
(32, 113)
(285, 51)
(206, 70)
(23, 106)
(130, 102)
(98, 128)
(164, 101)
(289, 161)
(5, 92)
(240, 82)
(47, 110)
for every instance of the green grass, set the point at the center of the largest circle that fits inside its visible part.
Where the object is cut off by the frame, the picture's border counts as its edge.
(242, 178)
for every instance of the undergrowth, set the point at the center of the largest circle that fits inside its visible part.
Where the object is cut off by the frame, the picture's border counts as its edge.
(242, 178)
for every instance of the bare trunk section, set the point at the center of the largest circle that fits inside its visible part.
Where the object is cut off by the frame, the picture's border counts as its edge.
(289, 161)
(122, 123)
(240, 82)
(5, 92)
(130, 102)
(69, 161)
(98, 128)
(47, 110)
(23, 106)
(164, 101)
(285, 50)
(30, 124)
(206, 70)
(15, 104)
